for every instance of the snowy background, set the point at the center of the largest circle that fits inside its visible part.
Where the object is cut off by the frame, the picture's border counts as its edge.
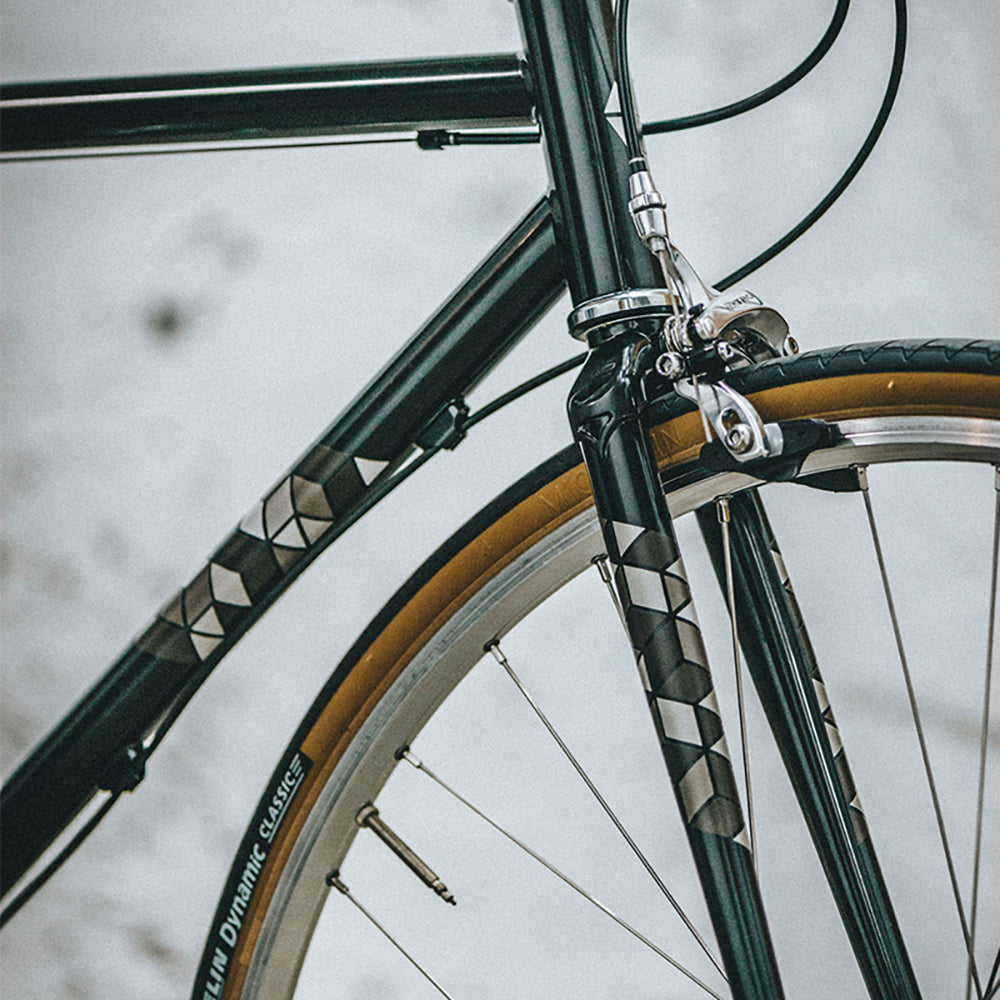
(178, 329)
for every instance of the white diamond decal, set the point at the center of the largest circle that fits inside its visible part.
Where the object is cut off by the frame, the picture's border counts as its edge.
(209, 623)
(743, 837)
(625, 534)
(227, 586)
(679, 721)
(369, 468)
(721, 747)
(290, 537)
(710, 702)
(696, 787)
(313, 528)
(278, 508)
(779, 565)
(645, 588)
(821, 697)
(640, 662)
(204, 644)
(613, 112)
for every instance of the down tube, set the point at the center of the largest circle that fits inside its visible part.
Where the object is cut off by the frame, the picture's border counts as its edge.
(781, 661)
(99, 744)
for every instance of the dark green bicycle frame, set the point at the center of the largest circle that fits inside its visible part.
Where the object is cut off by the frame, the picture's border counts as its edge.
(579, 235)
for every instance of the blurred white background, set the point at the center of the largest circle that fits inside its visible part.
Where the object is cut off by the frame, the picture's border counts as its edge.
(130, 449)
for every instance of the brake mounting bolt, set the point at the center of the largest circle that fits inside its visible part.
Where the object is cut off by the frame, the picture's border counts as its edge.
(670, 365)
(739, 438)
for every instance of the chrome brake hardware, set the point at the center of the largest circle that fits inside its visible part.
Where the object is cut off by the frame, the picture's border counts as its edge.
(733, 419)
(648, 210)
(707, 315)
(731, 331)
(740, 324)
(708, 333)
(729, 316)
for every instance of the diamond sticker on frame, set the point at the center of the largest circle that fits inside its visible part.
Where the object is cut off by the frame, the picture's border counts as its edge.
(227, 586)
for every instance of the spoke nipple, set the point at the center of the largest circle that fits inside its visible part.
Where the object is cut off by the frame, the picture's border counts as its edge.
(333, 880)
(493, 646)
(403, 753)
(722, 509)
(366, 814)
(601, 564)
(862, 471)
(442, 890)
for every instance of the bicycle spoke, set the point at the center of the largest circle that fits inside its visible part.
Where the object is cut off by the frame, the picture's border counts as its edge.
(601, 564)
(420, 766)
(722, 511)
(333, 880)
(984, 733)
(992, 986)
(918, 725)
(498, 655)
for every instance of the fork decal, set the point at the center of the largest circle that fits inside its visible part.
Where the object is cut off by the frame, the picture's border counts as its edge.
(651, 582)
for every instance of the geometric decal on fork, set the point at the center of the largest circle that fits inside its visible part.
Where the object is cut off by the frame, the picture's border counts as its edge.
(653, 588)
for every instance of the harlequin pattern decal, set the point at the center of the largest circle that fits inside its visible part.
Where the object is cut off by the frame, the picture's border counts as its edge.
(844, 776)
(650, 579)
(292, 518)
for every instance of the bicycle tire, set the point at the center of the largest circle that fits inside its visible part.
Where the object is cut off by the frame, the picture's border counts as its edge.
(944, 394)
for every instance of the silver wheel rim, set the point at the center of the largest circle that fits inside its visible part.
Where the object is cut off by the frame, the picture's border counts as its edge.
(458, 645)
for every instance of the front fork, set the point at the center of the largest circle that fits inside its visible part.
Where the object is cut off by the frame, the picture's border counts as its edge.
(605, 412)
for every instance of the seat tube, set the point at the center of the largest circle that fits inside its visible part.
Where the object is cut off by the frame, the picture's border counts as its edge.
(568, 44)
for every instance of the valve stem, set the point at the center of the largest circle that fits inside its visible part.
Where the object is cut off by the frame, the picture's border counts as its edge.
(368, 816)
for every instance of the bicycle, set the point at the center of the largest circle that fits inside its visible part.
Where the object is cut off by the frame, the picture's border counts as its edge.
(352, 818)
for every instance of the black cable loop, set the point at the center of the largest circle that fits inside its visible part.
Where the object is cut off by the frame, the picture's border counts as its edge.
(888, 99)
(762, 96)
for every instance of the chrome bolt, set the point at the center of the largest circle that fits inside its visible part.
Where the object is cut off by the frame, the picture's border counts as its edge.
(739, 438)
(670, 365)
(791, 345)
(725, 351)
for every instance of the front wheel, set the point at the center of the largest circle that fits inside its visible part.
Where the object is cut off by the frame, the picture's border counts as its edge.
(924, 419)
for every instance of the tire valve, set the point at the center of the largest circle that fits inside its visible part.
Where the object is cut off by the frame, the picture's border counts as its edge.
(368, 816)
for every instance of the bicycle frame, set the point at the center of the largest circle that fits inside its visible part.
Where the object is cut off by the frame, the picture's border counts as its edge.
(98, 744)
(579, 235)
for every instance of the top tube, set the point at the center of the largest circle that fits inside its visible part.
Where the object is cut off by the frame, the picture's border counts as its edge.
(343, 99)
